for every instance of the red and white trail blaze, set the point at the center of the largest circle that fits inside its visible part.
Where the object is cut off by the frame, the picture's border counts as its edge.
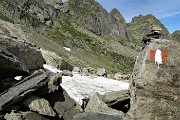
(158, 56)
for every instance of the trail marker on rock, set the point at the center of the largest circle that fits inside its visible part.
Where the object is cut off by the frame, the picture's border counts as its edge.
(159, 56)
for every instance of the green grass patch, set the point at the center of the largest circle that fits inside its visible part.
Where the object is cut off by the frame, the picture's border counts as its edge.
(9, 3)
(5, 18)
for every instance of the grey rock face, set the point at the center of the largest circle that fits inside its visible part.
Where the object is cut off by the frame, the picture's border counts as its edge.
(76, 69)
(56, 61)
(40, 10)
(54, 82)
(96, 104)
(155, 92)
(101, 72)
(63, 104)
(39, 105)
(96, 116)
(13, 116)
(176, 35)
(11, 66)
(22, 89)
(15, 41)
(116, 98)
(32, 116)
(96, 19)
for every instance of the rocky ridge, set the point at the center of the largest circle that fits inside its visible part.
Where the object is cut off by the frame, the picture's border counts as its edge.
(176, 35)
(142, 25)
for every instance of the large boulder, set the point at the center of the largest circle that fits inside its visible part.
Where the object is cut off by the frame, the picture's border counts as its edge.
(22, 89)
(15, 41)
(63, 104)
(119, 100)
(39, 105)
(96, 116)
(32, 116)
(96, 104)
(15, 115)
(155, 91)
(101, 72)
(11, 66)
(56, 61)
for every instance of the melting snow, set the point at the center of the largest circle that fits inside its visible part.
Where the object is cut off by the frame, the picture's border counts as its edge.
(79, 87)
(68, 49)
(18, 77)
(50, 69)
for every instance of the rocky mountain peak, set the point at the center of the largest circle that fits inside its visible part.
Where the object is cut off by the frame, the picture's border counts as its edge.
(142, 25)
(114, 12)
(176, 35)
(96, 19)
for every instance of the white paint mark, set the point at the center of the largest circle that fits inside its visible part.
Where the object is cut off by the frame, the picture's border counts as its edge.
(158, 57)
(68, 49)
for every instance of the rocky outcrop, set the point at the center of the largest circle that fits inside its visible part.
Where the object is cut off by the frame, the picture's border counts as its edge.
(56, 61)
(22, 89)
(119, 100)
(98, 106)
(39, 105)
(10, 65)
(142, 25)
(63, 104)
(176, 35)
(32, 12)
(14, 40)
(32, 116)
(101, 72)
(96, 19)
(96, 116)
(115, 13)
(155, 92)
(15, 115)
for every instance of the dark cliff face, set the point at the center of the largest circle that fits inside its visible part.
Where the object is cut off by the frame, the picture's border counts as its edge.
(95, 18)
(115, 13)
(30, 11)
(176, 35)
(141, 25)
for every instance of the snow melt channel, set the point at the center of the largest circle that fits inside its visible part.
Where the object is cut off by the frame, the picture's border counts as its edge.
(79, 87)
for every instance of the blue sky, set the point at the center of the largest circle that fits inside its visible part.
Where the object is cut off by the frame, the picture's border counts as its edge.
(167, 11)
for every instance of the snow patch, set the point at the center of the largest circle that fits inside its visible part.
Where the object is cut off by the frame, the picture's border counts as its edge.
(18, 78)
(79, 87)
(50, 69)
(66, 48)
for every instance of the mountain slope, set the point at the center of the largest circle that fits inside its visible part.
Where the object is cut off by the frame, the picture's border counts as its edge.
(176, 35)
(96, 38)
(142, 25)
